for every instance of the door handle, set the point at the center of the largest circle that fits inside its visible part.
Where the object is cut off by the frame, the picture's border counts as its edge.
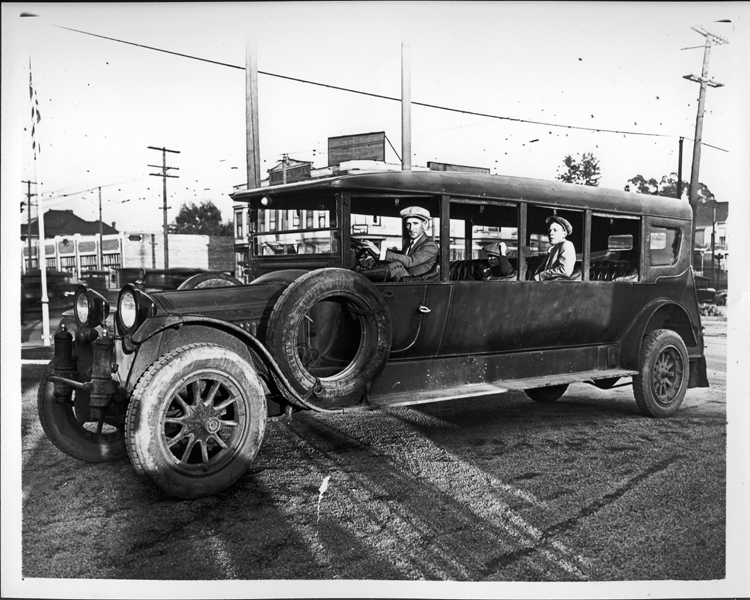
(424, 310)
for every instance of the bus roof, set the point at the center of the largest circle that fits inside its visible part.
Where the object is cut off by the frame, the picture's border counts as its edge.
(478, 186)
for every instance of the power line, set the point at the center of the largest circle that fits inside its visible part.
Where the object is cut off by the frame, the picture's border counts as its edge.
(374, 95)
(67, 196)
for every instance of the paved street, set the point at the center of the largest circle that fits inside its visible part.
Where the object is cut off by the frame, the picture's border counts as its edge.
(493, 489)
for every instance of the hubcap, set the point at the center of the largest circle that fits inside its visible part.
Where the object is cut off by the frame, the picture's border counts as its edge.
(667, 376)
(203, 423)
(212, 425)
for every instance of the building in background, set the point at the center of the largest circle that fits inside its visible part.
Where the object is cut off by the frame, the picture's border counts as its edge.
(75, 250)
(711, 255)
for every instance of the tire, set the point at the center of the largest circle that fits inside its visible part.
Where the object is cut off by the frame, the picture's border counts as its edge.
(84, 441)
(193, 449)
(304, 346)
(551, 393)
(209, 280)
(664, 372)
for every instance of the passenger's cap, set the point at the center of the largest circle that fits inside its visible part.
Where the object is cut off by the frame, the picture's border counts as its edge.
(559, 220)
(495, 248)
(416, 212)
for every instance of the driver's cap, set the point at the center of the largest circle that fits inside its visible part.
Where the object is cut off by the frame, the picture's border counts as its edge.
(416, 212)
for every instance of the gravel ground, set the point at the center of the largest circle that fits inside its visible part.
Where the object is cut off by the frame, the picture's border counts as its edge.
(476, 490)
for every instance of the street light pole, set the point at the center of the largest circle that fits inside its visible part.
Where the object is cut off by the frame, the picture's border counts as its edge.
(711, 40)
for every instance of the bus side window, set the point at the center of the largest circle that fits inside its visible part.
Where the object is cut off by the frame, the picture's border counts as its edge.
(537, 240)
(615, 242)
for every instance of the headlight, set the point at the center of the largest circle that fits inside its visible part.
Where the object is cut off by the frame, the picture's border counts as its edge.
(134, 306)
(82, 307)
(127, 309)
(90, 308)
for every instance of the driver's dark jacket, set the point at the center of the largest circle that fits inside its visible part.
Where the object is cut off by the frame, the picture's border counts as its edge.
(421, 259)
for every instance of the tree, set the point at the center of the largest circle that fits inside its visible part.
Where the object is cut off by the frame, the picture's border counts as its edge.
(204, 219)
(584, 171)
(667, 186)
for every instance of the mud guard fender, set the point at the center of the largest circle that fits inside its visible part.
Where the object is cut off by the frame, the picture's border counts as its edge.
(658, 314)
(157, 328)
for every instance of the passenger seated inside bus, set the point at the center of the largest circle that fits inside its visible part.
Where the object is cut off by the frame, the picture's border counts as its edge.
(561, 257)
(499, 267)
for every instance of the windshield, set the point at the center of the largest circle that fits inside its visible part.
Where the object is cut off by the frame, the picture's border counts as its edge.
(303, 225)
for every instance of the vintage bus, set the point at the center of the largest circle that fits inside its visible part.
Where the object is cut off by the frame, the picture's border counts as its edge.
(198, 370)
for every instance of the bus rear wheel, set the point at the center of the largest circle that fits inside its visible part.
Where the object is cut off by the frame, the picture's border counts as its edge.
(664, 372)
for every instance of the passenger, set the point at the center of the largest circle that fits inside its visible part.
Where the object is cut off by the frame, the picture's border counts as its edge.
(561, 259)
(500, 266)
(418, 256)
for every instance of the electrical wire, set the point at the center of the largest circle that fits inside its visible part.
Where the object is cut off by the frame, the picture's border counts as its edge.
(381, 96)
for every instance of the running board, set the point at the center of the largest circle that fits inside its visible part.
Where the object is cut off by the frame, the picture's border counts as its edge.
(486, 389)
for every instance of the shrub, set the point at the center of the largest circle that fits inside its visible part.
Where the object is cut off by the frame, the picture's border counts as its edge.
(710, 310)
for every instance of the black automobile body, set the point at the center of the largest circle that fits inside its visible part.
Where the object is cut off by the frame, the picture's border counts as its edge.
(182, 381)
(706, 293)
(61, 286)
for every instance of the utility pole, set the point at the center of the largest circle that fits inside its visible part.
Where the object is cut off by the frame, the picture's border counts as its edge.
(405, 105)
(164, 176)
(678, 195)
(711, 40)
(252, 136)
(713, 243)
(28, 218)
(101, 252)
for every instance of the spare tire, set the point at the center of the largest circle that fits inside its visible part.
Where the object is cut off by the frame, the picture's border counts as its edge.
(330, 332)
(210, 279)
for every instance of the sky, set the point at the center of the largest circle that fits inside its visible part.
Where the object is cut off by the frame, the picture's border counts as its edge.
(610, 66)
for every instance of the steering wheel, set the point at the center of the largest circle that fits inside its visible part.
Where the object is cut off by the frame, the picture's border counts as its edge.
(363, 256)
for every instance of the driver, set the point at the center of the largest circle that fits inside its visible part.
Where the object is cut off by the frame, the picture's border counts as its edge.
(419, 253)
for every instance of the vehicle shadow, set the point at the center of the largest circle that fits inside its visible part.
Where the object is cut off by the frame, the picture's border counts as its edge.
(472, 490)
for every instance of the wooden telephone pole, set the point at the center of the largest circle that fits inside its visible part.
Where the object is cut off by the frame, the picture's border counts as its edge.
(405, 105)
(28, 220)
(101, 233)
(711, 40)
(164, 176)
(252, 137)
